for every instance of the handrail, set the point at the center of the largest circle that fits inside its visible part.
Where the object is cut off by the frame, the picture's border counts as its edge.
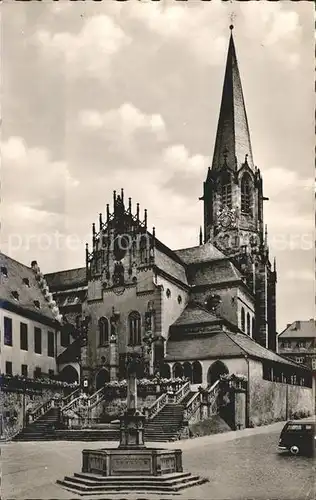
(175, 398)
(95, 397)
(157, 405)
(70, 396)
(211, 389)
(192, 406)
(50, 403)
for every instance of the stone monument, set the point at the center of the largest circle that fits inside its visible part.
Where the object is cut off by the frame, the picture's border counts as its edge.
(131, 466)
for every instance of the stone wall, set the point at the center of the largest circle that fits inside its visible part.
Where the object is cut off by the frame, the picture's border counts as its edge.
(11, 404)
(273, 401)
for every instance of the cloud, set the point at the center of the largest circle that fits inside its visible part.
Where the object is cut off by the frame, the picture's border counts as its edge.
(88, 52)
(174, 22)
(32, 180)
(277, 29)
(122, 122)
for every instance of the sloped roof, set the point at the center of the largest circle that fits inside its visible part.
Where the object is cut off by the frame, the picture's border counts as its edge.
(170, 266)
(70, 278)
(70, 354)
(201, 253)
(195, 314)
(300, 329)
(216, 345)
(222, 344)
(16, 272)
(213, 273)
(232, 137)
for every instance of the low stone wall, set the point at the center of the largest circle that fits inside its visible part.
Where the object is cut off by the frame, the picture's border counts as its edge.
(11, 409)
(274, 401)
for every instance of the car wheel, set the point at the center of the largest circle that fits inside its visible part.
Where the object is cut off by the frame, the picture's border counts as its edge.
(294, 450)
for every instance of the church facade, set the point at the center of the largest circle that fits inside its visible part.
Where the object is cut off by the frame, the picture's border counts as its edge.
(197, 312)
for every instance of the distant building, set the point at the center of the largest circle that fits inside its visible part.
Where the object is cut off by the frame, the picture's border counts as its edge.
(29, 322)
(298, 342)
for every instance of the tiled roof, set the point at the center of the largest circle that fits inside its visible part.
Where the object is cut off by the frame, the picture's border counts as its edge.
(71, 278)
(256, 350)
(16, 272)
(300, 329)
(202, 253)
(170, 266)
(215, 345)
(213, 273)
(70, 354)
(195, 314)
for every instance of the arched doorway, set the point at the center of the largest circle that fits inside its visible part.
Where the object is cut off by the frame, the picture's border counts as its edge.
(215, 371)
(69, 374)
(178, 370)
(102, 378)
(187, 370)
(165, 371)
(197, 373)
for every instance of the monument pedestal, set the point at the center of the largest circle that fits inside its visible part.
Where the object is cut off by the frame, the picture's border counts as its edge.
(132, 466)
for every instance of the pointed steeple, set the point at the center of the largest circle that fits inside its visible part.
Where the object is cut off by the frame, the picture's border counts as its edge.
(232, 139)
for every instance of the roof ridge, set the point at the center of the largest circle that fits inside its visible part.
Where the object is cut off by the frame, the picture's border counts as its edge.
(14, 260)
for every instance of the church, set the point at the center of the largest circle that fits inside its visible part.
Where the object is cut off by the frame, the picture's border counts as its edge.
(198, 312)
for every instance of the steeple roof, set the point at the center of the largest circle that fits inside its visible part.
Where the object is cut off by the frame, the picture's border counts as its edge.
(232, 139)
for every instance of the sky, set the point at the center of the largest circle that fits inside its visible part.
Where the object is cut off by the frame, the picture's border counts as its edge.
(98, 96)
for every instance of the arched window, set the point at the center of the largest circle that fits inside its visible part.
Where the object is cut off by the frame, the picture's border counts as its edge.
(187, 371)
(253, 327)
(227, 190)
(246, 198)
(243, 319)
(248, 324)
(197, 372)
(134, 328)
(103, 331)
(177, 370)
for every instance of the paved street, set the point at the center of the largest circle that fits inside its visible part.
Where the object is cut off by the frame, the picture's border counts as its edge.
(244, 465)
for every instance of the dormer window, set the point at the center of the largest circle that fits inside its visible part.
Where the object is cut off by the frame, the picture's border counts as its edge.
(15, 295)
(37, 304)
(4, 271)
(26, 282)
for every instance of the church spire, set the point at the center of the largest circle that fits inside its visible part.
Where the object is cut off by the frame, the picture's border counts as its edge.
(232, 138)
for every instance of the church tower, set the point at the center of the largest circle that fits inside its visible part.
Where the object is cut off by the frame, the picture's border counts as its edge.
(233, 202)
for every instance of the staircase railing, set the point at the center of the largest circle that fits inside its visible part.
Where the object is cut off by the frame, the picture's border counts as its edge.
(71, 396)
(96, 397)
(183, 391)
(42, 409)
(212, 394)
(192, 406)
(52, 403)
(155, 408)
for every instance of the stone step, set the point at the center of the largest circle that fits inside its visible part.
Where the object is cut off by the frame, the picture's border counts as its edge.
(160, 484)
(87, 476)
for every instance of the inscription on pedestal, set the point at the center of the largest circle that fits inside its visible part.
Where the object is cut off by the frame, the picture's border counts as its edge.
(168, 464)
(135, 465)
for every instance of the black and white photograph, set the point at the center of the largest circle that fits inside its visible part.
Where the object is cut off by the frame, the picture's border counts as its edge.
(157, 258)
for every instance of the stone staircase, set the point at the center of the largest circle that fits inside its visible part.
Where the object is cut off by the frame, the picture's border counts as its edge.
(166, 424)
(42, 429)
(93, 484)
(164, 419)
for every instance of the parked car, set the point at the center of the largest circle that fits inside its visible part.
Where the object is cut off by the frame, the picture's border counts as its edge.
(298, 437)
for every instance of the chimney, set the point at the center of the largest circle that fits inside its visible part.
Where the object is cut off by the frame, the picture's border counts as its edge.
(298, 325)
(288, 325)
